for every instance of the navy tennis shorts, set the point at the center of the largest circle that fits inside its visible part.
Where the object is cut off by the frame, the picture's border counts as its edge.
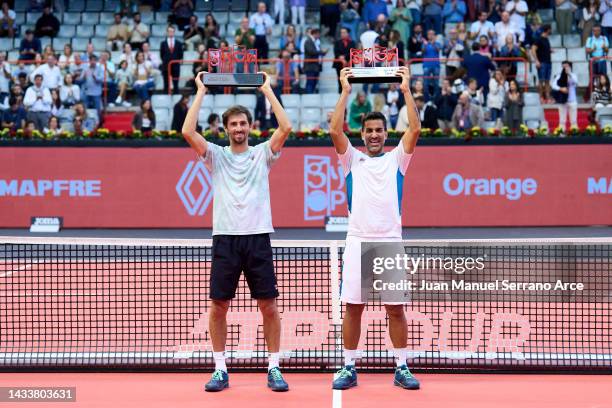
(233, 254)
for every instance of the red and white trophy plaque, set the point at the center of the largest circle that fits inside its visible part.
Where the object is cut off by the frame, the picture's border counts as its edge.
(374, 65)
(224, 62)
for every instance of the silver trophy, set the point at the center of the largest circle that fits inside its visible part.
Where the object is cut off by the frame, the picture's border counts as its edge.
(374, 65)
(225, 60)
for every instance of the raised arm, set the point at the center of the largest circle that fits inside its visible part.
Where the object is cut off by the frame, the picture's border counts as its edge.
(336, 126)
(284, 125)
(195, 140)
(411, 134)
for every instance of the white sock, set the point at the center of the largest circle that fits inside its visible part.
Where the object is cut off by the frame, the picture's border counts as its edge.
(273, 360)
(219, 357)
(349, 357)
(400, 356)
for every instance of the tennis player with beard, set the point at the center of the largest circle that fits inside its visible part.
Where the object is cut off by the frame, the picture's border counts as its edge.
(374, 181)
(242, 222)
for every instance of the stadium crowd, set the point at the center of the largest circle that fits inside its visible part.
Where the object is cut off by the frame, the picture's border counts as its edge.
(468, 58)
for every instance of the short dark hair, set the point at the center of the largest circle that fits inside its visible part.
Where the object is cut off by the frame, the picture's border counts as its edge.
(419, 98)
(568, 63)
(38, 76)
(546, 27)
(211, 118)
(236, 110)
(475, 46)
(374, 116)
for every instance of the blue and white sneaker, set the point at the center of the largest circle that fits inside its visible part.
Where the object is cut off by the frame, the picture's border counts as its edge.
(405, 379)
(276, 382)
(218, 382)
(345, 378)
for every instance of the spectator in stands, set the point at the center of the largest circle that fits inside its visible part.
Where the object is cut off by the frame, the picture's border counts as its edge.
(359, 107)
(38, 102)
(261, 23)
(431, 69)
(181, 12)
(289, 36)
(109, 75)
(29, 47)
(589, 17)
(419, 89)
(476, 93)
(427, 113)
(342, 52)
(478, 66)
(518, 10)
(541, 54)
(601, 96)
(298, 10)
(432, 15)
(214, 124)
(82, 119)
(565, 84)
(47, 25)
(127, 7)
(605, 10)
(279, 13)
(462, 32)
(171, 49)
(144, 120)
(5, 79)
(7, 21)
(211, 32)
(194, 34)
(349, 19)
(123, 78)
(482, 27)
(475, 7)
(57, 107)
(395, 101)
(179, 113)
(509, 50)
(330, 15)
(14, 118)
(497, 93)
(264, 115)
(401, 19)
(453, 50)
(513, 106)
(128, 55)
(52, 76)
(395, 41)
(89, 51)
(383, 29)
(368, 37)
(446, 102)
(485, 47)
(139, 32)
(144, 82)
(505, 27)
(532, 29)
(150, 56)
(53, 127)
(22, 81)
(70, 93)
(454, 11)
(92, 78)
(245, 35)
(372, 9)
(596, 47)
(415, 44)
(117, 34)
(312, 52)
(76, 68)
(564, 13)
(466, 115)
(287, 73)
(67, 58)
(379, 105)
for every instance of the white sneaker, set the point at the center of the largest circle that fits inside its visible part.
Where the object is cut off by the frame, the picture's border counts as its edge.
(111, 105)
(126, 104)
(118, 100)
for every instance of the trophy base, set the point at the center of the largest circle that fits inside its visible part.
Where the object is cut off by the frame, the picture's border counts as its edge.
(232, 79)
(374, 75)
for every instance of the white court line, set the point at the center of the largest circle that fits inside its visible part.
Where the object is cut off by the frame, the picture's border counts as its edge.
(337, 399)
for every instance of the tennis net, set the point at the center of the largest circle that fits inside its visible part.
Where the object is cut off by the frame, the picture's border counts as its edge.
(143, 304)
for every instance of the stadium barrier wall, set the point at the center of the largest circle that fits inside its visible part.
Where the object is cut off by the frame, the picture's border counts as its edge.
(542, 185)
